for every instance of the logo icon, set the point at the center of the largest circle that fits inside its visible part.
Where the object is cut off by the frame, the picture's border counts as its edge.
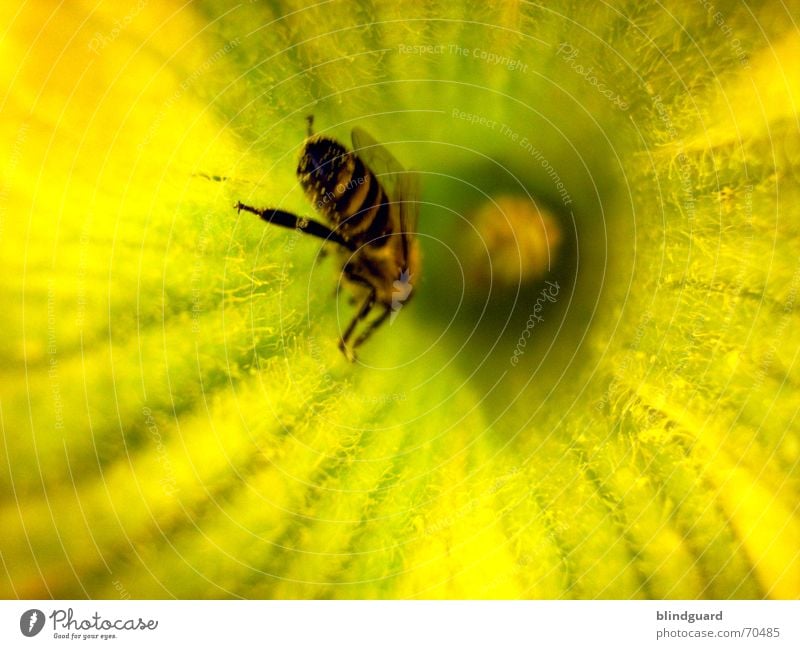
(31, 622)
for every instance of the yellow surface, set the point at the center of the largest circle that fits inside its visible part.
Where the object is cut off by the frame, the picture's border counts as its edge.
(177, 420)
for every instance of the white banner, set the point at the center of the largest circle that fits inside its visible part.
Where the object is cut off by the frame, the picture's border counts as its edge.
(400, 624)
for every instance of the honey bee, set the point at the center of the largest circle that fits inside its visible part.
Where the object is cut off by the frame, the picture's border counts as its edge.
(370, 204)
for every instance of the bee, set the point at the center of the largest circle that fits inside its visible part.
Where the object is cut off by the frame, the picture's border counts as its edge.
(369, 202)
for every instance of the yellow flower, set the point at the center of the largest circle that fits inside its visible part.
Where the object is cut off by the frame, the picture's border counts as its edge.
(176, 417)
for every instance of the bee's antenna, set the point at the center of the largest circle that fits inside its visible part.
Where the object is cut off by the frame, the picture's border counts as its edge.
(310, 120)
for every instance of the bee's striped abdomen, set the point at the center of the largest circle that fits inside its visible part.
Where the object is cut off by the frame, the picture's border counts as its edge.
(362, 209)
(361, 191)
(374, 234)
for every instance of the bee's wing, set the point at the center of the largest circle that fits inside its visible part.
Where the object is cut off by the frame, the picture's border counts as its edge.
(401, 186)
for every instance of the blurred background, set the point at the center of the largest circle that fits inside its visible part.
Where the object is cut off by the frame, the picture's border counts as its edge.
(593, 394)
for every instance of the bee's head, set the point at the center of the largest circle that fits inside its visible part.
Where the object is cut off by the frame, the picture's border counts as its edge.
(321, 163)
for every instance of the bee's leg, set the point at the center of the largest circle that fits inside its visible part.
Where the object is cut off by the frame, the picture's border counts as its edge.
(377, 322)
(337, 293)
(300, 224)
(310, 120)
(363, 312)
(214, 177)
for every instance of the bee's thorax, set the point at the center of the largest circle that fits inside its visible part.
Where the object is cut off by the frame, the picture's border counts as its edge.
(325, 169)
